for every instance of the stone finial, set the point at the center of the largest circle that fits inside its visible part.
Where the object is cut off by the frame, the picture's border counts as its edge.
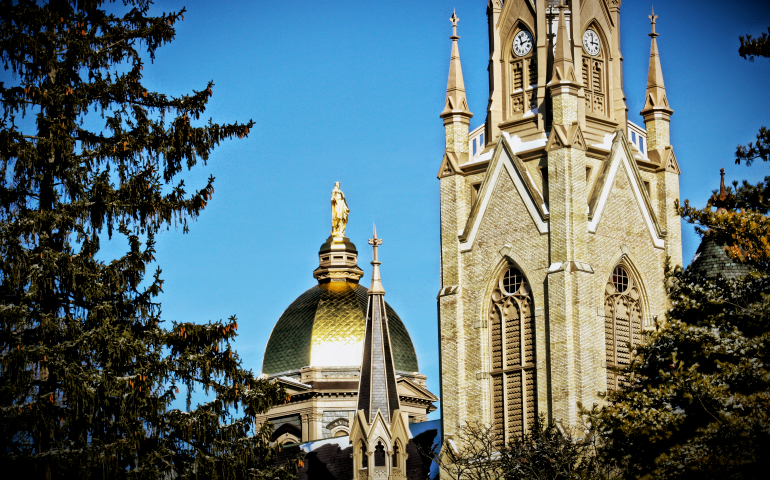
(656, 100)
(722, 200)
(456, 102)
(563, 65)
(376, 286)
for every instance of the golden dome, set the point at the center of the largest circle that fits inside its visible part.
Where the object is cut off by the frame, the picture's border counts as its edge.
(324, 327)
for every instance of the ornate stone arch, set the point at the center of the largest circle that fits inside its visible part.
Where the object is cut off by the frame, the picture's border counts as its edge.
(624, 302)
(594, 73)
(624, 257)
(519, 73)
(512, 355)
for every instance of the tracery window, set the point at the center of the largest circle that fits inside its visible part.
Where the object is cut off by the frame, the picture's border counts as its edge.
(623, 324)
(595, 81)
(522, 74)
(512, 331)
(379, 455)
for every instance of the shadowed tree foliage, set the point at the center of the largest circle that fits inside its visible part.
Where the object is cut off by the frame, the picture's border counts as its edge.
(88, 369)
(698, 403)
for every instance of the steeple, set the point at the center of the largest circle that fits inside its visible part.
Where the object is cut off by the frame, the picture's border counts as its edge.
(377, 388)
(456, 114)
(656, 111)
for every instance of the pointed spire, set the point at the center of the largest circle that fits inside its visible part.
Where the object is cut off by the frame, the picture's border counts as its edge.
(377, 388)
(562, 56)
(723, 201)
(376, 286)
(656, 99)
(456, 103)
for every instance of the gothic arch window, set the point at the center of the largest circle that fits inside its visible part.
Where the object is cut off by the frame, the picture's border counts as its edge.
(364, 456)
(594, 74)
(512, 330)
(379, 455)
(396, 452)
(521, 81)
(623, 323)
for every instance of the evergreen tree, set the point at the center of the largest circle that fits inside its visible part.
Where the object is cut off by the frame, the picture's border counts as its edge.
(698, 400)
(88, 369)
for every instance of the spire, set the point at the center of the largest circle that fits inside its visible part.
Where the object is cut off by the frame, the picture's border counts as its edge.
(656, 100)
(564, 85)
(723, 201)
(376, 286)
(456, 102)
(377, 389)
(563, 67)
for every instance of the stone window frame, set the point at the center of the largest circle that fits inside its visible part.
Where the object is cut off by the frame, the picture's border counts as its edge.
(619, 351)
(584, 70)
(514, 413)
(519, 102)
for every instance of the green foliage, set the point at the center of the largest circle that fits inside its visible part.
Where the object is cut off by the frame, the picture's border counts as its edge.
(753, 151)
(754, 47)
(88, 371)
(698, 401)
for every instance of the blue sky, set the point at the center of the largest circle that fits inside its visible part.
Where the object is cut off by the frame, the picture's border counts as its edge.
(351, 91)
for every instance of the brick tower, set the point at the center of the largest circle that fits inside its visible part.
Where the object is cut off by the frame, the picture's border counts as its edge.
(556, 218)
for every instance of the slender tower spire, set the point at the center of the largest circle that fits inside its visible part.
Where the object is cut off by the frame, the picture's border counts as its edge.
(656, 111)
(377, 390)
(564, 85)
(456, 114)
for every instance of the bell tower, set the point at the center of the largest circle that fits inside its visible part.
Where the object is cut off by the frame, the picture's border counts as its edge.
(556, 224)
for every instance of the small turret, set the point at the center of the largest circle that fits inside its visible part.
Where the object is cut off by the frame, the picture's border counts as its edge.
(656, 111)
(456, 114)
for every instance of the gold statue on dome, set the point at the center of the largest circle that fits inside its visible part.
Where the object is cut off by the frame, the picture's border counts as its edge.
(340, 212)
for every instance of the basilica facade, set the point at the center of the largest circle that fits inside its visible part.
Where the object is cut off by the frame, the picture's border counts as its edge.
(557, 218)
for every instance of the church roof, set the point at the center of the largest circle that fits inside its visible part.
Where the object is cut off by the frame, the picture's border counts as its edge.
(329, 319)
(711, 260)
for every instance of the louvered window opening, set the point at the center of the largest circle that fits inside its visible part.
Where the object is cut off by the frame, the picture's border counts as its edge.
(512, 330)
(594, 83)
(623, 325)
(522, 84)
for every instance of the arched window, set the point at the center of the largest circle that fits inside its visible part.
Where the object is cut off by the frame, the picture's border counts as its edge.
(364, 456)
(395, 456)
(623, 323)
(379, 455)
(594, 73)
(521, 73)
(512, 331)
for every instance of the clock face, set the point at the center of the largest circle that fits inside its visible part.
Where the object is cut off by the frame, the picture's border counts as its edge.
(591, 42)
(522, 43)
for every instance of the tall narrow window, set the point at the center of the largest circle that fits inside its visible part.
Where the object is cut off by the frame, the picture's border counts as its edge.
(512, 330)
(364, 457)
(623, 324)
(394, 463)
(521, 74)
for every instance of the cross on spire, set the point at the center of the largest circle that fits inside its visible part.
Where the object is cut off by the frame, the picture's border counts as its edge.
(652, 18)
(375, 242)
(454, 19)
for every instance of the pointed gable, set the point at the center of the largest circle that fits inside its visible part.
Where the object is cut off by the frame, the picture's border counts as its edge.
(620, 162)
(505, 164)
